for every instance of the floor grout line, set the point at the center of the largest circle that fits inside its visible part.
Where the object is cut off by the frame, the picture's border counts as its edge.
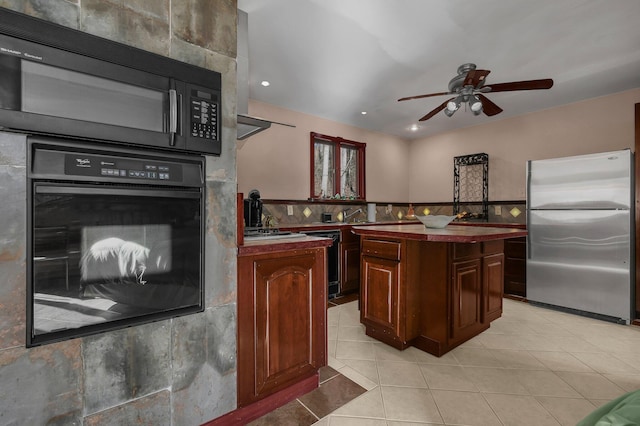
(308, 409)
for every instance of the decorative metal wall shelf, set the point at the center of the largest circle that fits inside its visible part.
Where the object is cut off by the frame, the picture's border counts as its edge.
(471, 186)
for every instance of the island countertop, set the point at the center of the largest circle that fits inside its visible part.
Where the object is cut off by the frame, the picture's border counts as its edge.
(451, 233)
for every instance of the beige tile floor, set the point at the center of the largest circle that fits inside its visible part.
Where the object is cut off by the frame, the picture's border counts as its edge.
(534, 366)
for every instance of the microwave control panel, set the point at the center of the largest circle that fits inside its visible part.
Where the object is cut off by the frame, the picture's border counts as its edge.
(204, 114)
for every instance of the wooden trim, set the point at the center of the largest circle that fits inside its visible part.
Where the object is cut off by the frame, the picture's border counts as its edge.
(382, 203)
(312, 166)
(244, 415)
(314, 201)
(362, 170)
(515, 297)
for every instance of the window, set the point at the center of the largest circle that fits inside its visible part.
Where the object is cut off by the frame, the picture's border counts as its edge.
(337, 168)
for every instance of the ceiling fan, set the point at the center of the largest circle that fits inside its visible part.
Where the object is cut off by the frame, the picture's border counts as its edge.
(469, 87)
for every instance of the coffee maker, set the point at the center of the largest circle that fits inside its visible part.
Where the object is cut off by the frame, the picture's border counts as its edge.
(253, 210)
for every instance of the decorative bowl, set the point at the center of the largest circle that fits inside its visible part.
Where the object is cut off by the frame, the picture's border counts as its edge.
(436, 221)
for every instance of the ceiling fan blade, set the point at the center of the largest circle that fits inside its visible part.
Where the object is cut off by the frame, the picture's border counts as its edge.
(424, 96)
(488, 107)
(546, 83)
(436, 110)
(475, 77)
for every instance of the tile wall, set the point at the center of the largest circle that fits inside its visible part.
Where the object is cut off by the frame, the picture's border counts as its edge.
(309, 213)
(173, 372)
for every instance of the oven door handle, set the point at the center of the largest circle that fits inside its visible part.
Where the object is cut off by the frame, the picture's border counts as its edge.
(67, 190)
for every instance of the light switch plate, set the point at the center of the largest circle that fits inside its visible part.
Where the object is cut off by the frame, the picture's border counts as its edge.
(498, 210)
(290, 210)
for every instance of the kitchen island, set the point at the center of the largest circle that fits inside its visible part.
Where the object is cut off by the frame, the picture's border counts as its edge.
(431, 288)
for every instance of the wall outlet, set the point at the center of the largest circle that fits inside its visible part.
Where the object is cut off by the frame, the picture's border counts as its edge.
(290, 210)
(498, 210)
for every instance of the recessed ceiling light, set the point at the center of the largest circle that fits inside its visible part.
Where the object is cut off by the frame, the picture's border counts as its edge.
(364, 113)
(265, 83)
(414, 128)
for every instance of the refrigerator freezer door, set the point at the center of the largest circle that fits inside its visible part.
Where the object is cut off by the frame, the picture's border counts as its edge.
(580, 259)
(594, 181)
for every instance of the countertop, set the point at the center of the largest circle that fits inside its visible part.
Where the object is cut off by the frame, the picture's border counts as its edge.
(338, 225)
(452, 233)
(266, 245)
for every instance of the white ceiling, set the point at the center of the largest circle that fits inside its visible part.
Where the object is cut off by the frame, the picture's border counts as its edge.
(336, 58)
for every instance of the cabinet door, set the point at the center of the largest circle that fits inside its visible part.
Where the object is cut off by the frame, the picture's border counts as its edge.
(282, 321)
(466, 300)
(492, 278)
(350, 267)
(379, 304)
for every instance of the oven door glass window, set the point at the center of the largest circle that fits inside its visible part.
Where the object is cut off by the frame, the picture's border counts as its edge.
(105, 257)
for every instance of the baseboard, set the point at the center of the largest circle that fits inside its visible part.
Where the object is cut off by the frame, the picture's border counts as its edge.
(244, 415)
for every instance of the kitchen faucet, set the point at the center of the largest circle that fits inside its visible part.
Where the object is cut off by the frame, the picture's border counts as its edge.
(346, 215)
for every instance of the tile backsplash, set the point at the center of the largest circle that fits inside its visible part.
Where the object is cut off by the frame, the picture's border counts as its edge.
(277, 212)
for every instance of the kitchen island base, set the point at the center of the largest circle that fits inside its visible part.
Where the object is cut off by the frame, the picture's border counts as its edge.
(434, 295)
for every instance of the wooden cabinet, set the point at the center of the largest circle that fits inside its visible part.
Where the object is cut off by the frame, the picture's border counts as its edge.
(466, 300)
(492, 279)
(281, 320)
(379, 304)
(476, 288)
(515, 267)
(386, 297)
(349, 262)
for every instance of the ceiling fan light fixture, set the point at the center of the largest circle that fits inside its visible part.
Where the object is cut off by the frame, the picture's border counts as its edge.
(475, 105)
(469, 87)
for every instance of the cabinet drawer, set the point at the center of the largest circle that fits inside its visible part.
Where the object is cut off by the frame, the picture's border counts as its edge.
(463, 250)
(492, 247)
(383, 249)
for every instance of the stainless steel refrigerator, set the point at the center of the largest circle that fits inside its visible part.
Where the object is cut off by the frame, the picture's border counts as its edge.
(580, 241)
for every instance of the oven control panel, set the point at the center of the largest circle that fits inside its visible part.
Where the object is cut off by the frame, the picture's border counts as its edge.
(118, 168)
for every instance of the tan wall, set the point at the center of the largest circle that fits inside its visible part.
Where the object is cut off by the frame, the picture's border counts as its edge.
(595, 125)
(276, 161)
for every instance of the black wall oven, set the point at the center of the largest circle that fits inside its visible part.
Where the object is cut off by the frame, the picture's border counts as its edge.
(59, 81)
(115, 237)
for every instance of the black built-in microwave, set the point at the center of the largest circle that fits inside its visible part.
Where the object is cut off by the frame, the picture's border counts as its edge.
(59, 81)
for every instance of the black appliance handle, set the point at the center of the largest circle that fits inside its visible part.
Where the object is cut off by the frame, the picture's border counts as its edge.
(79, 190)
(173, 115)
